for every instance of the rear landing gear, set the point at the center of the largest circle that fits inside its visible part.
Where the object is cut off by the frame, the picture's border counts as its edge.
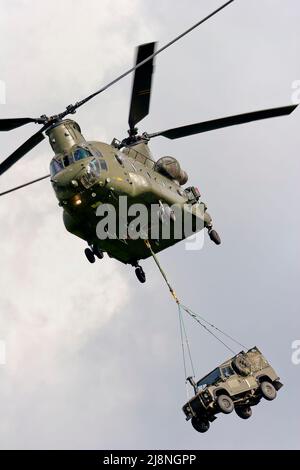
(214, 236)
(140, 273)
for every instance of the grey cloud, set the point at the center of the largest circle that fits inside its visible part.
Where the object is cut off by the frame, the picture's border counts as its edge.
(93, 358)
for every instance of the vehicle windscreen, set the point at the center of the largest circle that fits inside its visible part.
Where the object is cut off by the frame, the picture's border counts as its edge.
(211, 378)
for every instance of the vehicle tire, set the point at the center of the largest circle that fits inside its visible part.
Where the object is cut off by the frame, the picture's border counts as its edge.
(225, 404)
(140, 274)
(97, 252)
(244, 412)
(241, 365)
(200, 425)
(268, 390)
(90, 255)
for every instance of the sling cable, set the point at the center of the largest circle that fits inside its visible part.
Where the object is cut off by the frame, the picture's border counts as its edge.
(212, 329)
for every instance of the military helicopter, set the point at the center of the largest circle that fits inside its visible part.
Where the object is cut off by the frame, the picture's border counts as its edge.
(86, 174)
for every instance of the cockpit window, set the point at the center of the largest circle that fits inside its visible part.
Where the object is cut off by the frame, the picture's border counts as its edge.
(55, 167)
(63, 161)
(81, 153)
(67, 159)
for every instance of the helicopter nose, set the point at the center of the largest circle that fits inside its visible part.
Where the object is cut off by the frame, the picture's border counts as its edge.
(68, 174)
(66, 182)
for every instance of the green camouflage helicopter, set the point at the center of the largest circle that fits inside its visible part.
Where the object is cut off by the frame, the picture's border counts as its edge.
(86, 174)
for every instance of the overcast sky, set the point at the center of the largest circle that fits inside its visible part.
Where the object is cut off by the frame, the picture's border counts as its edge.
(93, 357)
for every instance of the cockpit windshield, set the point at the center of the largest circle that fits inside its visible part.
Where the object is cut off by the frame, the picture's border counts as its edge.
(79, 153)
(211, 378)
(55, 166)
(61, 162)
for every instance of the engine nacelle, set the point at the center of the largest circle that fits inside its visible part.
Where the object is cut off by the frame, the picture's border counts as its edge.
(170, 167)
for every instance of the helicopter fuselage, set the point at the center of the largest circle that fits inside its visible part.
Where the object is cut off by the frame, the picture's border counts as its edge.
(87, 174)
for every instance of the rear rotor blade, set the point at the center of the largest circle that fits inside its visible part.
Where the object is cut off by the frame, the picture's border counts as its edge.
(24, 185)
(9, 124)
(34, 140)
(178, 132)
(141, 87)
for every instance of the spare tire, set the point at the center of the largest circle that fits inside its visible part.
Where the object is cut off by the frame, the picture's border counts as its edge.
(241, 365)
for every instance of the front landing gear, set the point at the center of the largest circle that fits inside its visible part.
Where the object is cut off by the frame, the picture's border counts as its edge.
(140, 273)
(97, 252)
(214, 236)
(89, 255)
(92, 252)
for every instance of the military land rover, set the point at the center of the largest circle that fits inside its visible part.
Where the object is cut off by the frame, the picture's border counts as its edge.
(237, 384)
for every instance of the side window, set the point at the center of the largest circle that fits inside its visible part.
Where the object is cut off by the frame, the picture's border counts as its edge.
(227, 371)
(103, 165)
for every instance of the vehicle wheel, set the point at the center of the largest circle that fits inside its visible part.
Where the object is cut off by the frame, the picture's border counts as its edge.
(90, 255)
(97, 252)
(215, 237)
(140, 274)
(268, 391)
(201, 425)
(225, 404)
(241, 365)
(243, 412)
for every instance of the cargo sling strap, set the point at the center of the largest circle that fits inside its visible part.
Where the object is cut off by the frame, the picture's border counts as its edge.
(206, 325)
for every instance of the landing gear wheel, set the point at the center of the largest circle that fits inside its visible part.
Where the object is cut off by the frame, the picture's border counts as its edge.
(201, 425)
(225, 404)
(243, 412)
(140, 274)
(90, 255)
(214, 236)
(97, 252)
(268, 391)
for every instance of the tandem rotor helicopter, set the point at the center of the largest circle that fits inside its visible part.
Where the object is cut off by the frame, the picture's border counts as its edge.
(85, 174)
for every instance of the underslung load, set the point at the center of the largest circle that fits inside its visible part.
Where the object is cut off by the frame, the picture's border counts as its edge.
(237, 384)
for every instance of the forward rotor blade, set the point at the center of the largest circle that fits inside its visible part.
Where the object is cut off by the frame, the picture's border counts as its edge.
(178, 132)
(24, 185)
(34, 140)
(9, 124)
(141, 87)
